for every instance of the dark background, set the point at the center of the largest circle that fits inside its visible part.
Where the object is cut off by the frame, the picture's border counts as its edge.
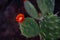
(9, 28)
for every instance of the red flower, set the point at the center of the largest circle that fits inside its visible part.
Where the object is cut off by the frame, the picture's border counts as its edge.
(20, 18)
(25, 0)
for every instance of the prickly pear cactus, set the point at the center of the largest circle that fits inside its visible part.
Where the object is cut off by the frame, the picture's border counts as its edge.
(31, 10)
(49, 25)
(46, 6)
(29, 28)
(50, 28)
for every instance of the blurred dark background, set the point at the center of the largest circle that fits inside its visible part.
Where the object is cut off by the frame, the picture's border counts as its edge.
(9, 28)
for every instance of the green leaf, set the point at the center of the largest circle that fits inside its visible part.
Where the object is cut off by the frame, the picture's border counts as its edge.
(29, 28)
(46, 6)
(31, 10)
(50, 27)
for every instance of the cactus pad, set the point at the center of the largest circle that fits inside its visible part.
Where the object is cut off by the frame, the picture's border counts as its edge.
(50, 27)
(29, 28)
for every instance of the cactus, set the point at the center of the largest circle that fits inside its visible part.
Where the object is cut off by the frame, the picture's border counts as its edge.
(49, 25)
(31, 10)
(29, 28)
(46, 6)
(50, 28)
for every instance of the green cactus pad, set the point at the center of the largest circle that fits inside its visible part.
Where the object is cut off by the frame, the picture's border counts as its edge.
(29, 28)
(50, 5)
(50, 28)
(31, 10)
(46, 6)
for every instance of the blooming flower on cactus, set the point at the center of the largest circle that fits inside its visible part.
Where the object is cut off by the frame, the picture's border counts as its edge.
(25, 0)
(20, 18)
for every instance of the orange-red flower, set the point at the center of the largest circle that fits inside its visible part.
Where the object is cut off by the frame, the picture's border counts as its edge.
(20, 18)
(25, 0)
